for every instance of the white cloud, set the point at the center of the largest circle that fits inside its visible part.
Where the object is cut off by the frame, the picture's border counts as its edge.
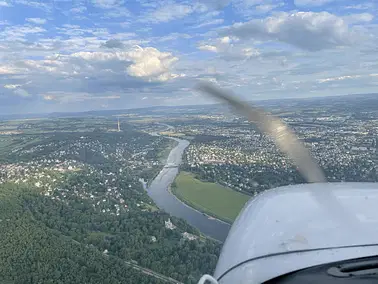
(219, 45)
(346, 77)
(248, 3)
(21, 92)
(7, 70)
(92, 63)
(301, 3)
(364, 6)
(225, 40)
(30, 30)
(265, 8)
(151, 64)
(5, 4)
(147, 63)
(35, 4)
(208, 48)
(340, 78)
(359, 18)
(228, 50)
(48, 97)
(14, 32)
(107, 4)
(69, 97)
(307, 30)
(168, 13)
(37, 21)
(209, 23)
(78, 10)
(172, 37)
(251, 8)
(11, 86)
(216, 4)
(119, 12)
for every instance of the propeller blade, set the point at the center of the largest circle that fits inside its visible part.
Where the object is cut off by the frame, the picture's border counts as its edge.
(283, 137)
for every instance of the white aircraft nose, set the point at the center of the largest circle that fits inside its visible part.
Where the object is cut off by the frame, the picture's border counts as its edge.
(289, 226)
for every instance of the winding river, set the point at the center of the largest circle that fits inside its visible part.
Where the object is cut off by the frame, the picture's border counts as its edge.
(164, 199)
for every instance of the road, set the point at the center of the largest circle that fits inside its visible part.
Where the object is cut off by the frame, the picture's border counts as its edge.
(153, 273)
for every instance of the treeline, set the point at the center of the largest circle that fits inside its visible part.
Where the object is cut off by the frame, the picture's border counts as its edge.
(254, 178)
(33, 253)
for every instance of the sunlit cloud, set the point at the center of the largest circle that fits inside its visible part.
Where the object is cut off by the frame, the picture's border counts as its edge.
(109, 53)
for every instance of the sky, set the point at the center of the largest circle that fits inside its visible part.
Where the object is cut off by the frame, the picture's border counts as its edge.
(79, 55)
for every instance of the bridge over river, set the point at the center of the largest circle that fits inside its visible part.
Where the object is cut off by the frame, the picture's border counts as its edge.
(164, 199)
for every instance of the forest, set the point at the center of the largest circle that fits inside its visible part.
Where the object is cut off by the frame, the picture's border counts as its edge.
(32, 252)
(48, 241)
(85, 225)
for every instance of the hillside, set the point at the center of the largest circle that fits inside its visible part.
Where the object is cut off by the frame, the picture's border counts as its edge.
(33, 253)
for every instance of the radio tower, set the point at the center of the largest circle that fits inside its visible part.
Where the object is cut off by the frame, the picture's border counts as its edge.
(119, 126)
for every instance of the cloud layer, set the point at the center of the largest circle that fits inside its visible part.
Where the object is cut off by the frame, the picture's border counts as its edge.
(307, 30)
(81, 55)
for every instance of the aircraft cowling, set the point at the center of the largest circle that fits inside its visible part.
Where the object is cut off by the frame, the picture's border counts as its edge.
(295, 227)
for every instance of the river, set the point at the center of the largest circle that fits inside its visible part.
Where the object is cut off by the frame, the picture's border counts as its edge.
(164, 199)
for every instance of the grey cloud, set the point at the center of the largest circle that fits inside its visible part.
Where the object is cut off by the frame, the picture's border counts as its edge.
(113, 43)
(86, 76)
(359, 18)
(307, 30)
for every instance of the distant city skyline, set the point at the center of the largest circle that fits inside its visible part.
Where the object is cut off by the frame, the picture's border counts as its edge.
(81, 55)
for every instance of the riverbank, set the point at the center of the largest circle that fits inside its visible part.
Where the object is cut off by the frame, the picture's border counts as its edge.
(164, 154)
(162, 157)
(209, 215)
(159, 191)
(209, 198)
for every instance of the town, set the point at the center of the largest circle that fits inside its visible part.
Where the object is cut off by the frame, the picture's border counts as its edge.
(225, 148)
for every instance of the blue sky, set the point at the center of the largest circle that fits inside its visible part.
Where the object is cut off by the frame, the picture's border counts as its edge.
(77, 55)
